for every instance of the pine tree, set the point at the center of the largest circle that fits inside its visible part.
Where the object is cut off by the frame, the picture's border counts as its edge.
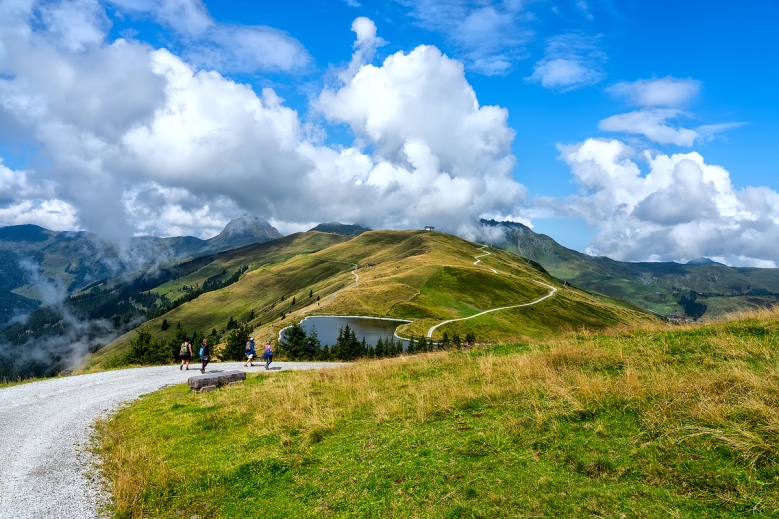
(236, 344)
(310, 294)
(140, 346)
(165, 325)
(471, 338)
(456, 340)
(231, 324)
(293, 302)
(445, 341)
(312, 345)
(324, 353)
(337, 350)
(294, 344)
(251, 315)
(393, 347)
(412, 346)
(145, 349)
(379, 349)
(422, 345)
(317, 298)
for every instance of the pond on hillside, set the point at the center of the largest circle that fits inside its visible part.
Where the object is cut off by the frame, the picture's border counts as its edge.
(372, 329)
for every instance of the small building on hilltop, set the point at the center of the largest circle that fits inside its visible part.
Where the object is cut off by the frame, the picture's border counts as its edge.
(429, 228)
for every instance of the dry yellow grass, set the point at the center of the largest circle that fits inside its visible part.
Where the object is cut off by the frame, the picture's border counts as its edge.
(694, 387)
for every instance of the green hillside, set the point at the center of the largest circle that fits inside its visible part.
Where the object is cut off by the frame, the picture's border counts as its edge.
(419, 276)
(655, 286)
(654, 422)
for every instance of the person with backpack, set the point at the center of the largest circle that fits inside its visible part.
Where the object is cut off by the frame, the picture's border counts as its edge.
(205, 355)
(185, 352)
(268, 355)
(249, 352)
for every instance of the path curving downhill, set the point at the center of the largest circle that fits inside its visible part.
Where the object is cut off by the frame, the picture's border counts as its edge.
(45, 428)
(550, 294)
(356, 281)
(478, 260)
(483, 255)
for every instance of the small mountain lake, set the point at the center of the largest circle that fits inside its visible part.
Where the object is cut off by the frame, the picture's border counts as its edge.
(371, 328)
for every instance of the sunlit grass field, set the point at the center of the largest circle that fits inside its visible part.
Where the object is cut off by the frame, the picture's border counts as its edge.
(652, 421)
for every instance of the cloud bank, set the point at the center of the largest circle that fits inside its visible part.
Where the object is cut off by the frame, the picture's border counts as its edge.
(681, 209)
(138, 140)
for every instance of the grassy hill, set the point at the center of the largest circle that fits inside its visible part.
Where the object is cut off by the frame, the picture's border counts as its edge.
(654, 422)
(278, 260)
(656, 286)
(420, 276)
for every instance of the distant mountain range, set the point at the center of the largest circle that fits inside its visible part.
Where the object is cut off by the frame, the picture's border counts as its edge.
(341, 228)
(662, 287)
(36, 263)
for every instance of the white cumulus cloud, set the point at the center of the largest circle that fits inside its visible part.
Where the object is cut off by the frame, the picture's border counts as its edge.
(137, 140)
(681, 209)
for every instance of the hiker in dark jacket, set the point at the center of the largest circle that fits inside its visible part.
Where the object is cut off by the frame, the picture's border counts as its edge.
(268, 355)
(249, 352)
(205, 355)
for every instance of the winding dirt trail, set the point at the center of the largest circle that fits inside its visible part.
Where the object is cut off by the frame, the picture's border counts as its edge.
(478, 260)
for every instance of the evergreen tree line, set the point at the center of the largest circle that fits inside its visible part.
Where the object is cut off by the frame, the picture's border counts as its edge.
(147, 349)
(299, 345)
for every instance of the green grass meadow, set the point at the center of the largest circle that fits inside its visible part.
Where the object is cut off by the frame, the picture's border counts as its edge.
(423, 277)
(653, 421)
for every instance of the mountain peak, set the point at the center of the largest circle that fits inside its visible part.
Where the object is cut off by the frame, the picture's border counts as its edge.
(703, 261)
(27, 232)
(245, 230)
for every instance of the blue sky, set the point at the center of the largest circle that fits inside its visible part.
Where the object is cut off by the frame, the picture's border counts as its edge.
(638, 130)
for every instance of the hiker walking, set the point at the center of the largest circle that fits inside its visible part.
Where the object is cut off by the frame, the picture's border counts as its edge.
(268, 355)
(205, 355)
(185, 353)
(249, 352)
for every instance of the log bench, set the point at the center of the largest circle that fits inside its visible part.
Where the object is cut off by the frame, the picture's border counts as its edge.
(211, 381)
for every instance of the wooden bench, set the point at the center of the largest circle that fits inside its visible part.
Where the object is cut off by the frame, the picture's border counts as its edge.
(211, 381)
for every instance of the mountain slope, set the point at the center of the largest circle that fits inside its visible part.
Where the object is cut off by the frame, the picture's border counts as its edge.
(422, 277)
(656, 286)
(34, 260)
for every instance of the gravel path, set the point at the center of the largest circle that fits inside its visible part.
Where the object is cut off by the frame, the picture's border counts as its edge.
(45, 471)
(487, 253)
(550, 294)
